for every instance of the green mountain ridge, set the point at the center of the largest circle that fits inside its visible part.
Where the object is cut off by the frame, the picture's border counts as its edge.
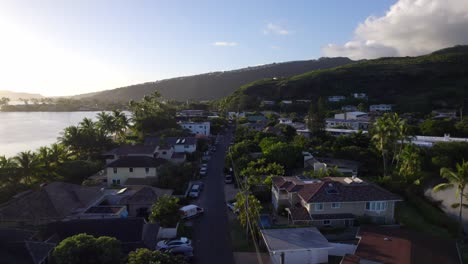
(212, 85)
(17, 95)
(439, 79)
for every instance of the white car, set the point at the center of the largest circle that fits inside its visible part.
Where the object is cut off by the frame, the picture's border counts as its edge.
(232, 207)
(170, 243)
(203, 171)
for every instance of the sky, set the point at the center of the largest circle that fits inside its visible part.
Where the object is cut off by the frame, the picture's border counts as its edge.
(67, 47)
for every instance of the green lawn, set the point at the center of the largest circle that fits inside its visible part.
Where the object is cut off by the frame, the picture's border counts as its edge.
(410, 217)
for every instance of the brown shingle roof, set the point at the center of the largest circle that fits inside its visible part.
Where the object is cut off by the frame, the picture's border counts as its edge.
(319, 191)
(53, 201)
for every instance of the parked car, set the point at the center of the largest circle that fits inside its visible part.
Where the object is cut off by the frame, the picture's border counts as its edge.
(203, 171)
(195, 191)
(186, 251)
(191, 210)
(170, 243)
(232, 207)
(228, 179)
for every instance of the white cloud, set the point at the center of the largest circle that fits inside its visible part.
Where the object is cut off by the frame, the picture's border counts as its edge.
(409, 28)
(224, 44)
(275, 29)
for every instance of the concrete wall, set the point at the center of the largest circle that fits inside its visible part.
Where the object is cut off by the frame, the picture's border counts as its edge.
(306, 256)
(167, 232)
(124, 173)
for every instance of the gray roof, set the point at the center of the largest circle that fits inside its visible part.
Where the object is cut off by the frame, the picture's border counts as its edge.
(288, 239)
(135, 149)
(171, 141)
(144, 195)
(136, 162)
(52, 201)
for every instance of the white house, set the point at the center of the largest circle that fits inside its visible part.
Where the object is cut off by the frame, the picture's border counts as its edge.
(296, 245)
(285, 120)
(131, 167)
(180, 144)
(380, 108)
(336, 98)
(351, 115)
(360, 95)
(286, 102)
(198, 128)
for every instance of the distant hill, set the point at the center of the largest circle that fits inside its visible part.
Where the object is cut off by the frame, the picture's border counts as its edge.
(213, 85)
(439, 79)
(14, 96)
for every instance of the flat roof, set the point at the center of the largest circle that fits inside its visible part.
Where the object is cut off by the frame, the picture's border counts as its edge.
(294, 239)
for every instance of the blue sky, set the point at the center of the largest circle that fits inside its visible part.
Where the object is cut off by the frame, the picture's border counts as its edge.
(96, 45)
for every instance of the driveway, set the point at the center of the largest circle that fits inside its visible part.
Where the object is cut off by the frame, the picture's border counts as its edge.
(211, 238)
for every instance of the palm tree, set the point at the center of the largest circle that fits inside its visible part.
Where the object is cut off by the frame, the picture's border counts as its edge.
(458, 180)
(107, 123)
(381, 138)
(87, 124)
(58, 153)
(7, 169)
(122, 123)
(28, 166)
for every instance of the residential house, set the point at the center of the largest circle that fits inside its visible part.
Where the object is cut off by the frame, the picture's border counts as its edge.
(268, 102)
(352, 120)
(258, 126)
(52, 202)
(285, 120)
(340, 131)
(394, 245)
(332, 201)
(197, 128)
(180, 144)
(428, 141)
(444, 113)
(304, 101)
(296, 245)
(349, 108)
(354, 115)
(191, 113)
(130, 150)
(138, 169)
(286, 102)
(133, 233)
(346, 167)
(256, 118)
(336, 98)
(360, 96)
(136, 199)
(380, 108)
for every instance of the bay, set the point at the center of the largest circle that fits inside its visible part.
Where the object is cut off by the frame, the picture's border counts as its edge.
(22, 131)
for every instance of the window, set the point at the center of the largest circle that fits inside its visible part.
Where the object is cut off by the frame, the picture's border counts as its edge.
(116, 181)
(326, 222)
(115, 170)
(130, 169)
(377, 206)
(200, 126)
(186, 146)
(318, 207)
(147, 170)
(336, 205)
(164, 152)
(190, 126)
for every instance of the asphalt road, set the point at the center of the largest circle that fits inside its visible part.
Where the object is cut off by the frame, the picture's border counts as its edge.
(211, 238)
